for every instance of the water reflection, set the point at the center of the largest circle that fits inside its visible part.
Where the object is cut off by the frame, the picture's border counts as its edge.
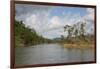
(51, 53)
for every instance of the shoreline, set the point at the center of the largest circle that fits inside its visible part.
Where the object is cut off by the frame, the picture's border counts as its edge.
(79, 46)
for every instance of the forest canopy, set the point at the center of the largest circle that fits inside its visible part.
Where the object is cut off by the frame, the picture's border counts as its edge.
(24, 36)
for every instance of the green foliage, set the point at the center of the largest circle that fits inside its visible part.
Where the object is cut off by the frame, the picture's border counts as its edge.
(77, 33)
(24, 36)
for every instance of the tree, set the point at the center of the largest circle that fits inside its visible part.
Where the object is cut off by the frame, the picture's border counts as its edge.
(70, 30)
(82, 30)
(62, 37)
(25, 36)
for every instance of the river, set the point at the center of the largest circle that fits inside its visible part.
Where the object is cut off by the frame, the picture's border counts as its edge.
(51, 53)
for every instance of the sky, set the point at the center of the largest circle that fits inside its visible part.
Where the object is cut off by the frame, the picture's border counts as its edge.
(48, 21)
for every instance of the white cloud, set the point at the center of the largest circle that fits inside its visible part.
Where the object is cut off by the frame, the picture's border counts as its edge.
(90, 15)
(30, 21)
(51, 27)
(55, 22)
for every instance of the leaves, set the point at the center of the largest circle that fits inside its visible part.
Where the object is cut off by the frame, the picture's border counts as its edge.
(24, 36)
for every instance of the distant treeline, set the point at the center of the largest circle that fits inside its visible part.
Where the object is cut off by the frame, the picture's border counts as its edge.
(24, 36)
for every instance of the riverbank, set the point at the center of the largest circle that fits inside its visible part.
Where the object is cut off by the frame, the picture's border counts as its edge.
(79, 46)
